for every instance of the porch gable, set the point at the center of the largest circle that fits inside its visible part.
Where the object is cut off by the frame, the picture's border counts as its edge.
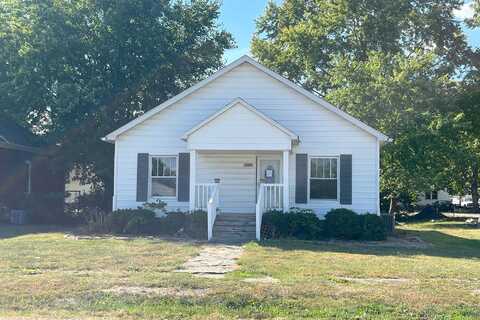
(239, 126)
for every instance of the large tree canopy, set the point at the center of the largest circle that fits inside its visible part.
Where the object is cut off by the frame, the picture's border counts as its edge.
(394, 64)
(301, 38)
(75, 70)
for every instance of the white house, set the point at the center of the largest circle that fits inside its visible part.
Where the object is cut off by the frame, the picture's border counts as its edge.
(246, 140)
(430, 197)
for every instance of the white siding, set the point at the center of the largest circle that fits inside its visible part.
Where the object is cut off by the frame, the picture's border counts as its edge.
(321, 132)
(442, 196)
(239, 129)
(237, 181)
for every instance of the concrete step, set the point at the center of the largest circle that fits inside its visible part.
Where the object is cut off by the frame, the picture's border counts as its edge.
(235, 218)
(234, 223)
(240, 234)
(234, 228)
(230, 229)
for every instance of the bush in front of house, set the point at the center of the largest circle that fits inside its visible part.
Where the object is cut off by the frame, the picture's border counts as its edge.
(343, 224)
(304, 224)
(348, 225)
(297, 223)
(46, 208)
(373, 227)
(143, 221)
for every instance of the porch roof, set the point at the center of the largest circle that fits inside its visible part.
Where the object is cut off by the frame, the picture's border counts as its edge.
(240, 126)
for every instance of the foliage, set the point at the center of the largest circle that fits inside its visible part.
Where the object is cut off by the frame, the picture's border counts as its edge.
(392, 64)
(76, 70)
(158, 205)
(373, 227)
(343, 224)
(144, 221)
(47, 208)
(301, 39)
(130, 221)
(297, 223)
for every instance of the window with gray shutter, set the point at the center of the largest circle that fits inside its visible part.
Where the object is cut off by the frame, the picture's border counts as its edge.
(184, 177)
(323, 178)
(142, 177)
(164, 176)
(346, 179)
(301, 178)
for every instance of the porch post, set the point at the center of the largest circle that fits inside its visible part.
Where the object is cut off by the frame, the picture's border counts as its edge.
(193, 163)
(286, 188)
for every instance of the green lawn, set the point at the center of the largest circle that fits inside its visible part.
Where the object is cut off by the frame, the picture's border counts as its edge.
(45, 275)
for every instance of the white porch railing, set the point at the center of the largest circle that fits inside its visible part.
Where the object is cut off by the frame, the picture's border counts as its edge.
(212, 210)
(270, 197)
(203, 192)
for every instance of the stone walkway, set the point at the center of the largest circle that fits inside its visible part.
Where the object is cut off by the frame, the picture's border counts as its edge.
(214, 261)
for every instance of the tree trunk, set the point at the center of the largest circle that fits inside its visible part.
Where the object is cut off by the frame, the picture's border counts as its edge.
(393, 205)
(474, 186)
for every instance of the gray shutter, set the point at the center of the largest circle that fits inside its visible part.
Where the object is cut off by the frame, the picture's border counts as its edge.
(301, 178)
(142, 177)
(183, 177)
(346, 179)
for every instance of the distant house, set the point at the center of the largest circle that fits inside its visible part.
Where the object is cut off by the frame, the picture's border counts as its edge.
(430, 197)
(242, 142)
(26, 166)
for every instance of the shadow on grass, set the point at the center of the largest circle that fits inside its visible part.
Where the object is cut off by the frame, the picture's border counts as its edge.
(8, 231)
(12, 231)
(438, 244)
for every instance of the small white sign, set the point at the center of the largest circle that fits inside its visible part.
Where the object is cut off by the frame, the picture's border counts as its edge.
(268, 173)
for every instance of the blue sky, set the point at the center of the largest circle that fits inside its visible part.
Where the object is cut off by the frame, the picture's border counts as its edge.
(238, 17)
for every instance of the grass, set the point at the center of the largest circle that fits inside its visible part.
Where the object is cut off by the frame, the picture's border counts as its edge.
(45, 275)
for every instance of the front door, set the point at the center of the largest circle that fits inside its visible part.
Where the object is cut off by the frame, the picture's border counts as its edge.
(268, 170)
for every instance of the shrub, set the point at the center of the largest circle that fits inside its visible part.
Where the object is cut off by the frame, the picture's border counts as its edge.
(297, 223)
(143, 221)
(46, 208)
(196, 224)
(131, 220)
(373, 227)
(343, 224)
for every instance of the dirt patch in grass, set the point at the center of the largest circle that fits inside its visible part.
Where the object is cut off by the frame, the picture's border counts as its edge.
(152, 291)
(261, 280)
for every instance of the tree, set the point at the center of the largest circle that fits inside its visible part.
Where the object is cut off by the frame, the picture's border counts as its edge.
(402, 97)
(460, 138)
(388, 63)
(76, 70)
(300, 38)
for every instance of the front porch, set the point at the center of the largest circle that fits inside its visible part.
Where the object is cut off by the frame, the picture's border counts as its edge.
(239, 184)
(239, 163)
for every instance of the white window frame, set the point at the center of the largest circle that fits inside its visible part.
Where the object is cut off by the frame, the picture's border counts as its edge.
(429, 195)
(310, 177)
(150, 177)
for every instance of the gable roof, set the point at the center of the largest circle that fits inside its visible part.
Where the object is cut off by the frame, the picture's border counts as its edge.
(246, 59)
(249, 107)
(13, 136)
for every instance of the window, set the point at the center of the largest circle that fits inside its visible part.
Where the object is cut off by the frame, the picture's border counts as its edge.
(323, 178)
(431, 195)
(28, 177)
(164, 177)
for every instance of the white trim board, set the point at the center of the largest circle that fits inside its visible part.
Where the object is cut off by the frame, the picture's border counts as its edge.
(249, 107)
(111, 137)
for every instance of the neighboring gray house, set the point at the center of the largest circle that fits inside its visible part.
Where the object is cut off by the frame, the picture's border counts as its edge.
(246, 140)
